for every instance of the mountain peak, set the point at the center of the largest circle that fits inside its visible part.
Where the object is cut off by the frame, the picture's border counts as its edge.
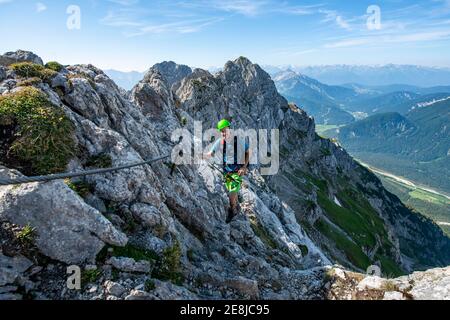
(243, 61)
(20, 56)
(171, 71)
(243, 69)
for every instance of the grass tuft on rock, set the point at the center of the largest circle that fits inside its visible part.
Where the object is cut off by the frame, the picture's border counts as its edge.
(303, 249)
(26, 235)
(168, 267)
(80, 187)
(29, 82)
(43, 138)
(90, 276)
(167, 264)
(102, 160)
(262, 233)
(33, 70)
(150, 285)
(27, 69)
(53, 65)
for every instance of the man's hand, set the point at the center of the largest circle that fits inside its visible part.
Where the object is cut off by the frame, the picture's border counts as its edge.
(207, 156)
(242, 171)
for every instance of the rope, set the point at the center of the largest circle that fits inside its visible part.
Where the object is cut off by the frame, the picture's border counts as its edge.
(213, 166)
(20, 180)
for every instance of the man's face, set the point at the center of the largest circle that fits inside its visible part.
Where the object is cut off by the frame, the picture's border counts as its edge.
(225, 133)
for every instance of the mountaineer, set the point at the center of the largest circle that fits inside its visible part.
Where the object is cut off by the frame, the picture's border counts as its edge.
(232, 169)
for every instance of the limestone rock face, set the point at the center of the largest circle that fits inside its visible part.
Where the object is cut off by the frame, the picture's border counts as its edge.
(67, 229)
(2, 73)
(130, 265)
(11, 268)
(433, 284)
(172, 72)
(19, 56)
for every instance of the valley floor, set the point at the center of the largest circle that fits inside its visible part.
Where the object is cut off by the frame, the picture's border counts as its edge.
(430, 202)
(404, 181)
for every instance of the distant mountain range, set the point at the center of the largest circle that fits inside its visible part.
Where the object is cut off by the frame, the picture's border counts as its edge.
(321, 101)
(331, 104)
(403, 102)
(384, 103)
(126, 80)
(373, 75)
(396, 88)
(382, 76)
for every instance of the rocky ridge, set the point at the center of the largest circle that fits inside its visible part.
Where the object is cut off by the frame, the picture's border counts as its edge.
(158, 232)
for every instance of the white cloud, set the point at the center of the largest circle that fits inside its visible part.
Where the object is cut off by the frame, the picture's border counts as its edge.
(5, 1)
(122, 18)
(434, 35)
(251, 8)
(301, 52)
(348, 43)
(187, 26)
(342, 23)
(244, 7)
(333, 16)
(298, 10)
(136, 21)
(40, 7)
(125, 2)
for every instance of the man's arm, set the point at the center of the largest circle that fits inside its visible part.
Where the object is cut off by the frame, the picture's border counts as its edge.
(243, 170)
(211, 153)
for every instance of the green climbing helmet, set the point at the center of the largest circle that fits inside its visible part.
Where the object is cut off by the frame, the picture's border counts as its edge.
(224, 123)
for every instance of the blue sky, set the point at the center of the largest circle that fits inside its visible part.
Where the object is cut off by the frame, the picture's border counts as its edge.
(135, 34)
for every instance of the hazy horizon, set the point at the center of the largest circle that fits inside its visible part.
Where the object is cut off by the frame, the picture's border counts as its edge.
(132, 35)
(285, 67)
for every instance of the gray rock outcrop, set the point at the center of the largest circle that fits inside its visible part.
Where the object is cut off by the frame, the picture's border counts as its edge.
(433, 284)
(19, 56)
(66, 228)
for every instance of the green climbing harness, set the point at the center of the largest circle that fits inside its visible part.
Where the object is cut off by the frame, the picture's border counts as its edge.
(233, 182)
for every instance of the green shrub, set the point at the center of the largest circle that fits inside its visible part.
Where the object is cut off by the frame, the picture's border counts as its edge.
(26, 235)
(80, 187)
(33, 70)
(29, 82)
(53, 65)
(325, 152)
(44, 138)
(89, 276)
(131, 251)
(115, 274)
(149, 285)
(310, 205)
(102, 160)
(190, 255)
(262, 233)
(303, 249)
(27, 69)
(168, 267)
(48, 74)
